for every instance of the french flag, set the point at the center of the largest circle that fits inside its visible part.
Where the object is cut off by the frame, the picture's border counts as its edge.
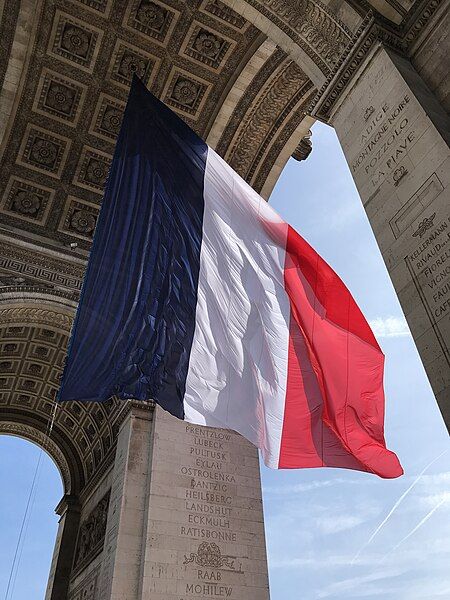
(200, 297)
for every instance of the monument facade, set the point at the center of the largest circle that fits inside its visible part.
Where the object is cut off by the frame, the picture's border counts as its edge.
(154, 508)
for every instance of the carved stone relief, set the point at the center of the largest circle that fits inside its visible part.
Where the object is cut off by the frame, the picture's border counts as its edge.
(279, 92)
(91, 534)
(68, 114)
(88, 588)
(58, 149)
(312, 26)
(31, 361)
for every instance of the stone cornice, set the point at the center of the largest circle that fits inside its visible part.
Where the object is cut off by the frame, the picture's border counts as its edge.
(42, 316)
(419, 20)
(373, 29)
(10, 290)
(45, 268)
(311, 25)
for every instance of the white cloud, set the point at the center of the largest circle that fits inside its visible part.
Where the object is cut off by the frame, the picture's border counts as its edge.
(300, 487)
(348, 585)
(313, 485)
(319, 561)
(432, 499)
(437, 479)
(389, 327)
(336, 523)
(419, 525)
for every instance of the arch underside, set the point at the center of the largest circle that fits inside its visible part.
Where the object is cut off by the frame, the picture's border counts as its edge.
(249, 76)
(32, 350)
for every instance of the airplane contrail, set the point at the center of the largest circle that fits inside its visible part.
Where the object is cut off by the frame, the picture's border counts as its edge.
(396, 505)
(418, 526)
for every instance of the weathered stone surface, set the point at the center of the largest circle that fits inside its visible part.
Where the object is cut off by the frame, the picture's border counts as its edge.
(393, 133)
(205, 532)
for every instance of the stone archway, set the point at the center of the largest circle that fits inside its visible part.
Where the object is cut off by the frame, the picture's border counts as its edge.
(27, 432)
(34, 329)
(35, 476)
(250, 76)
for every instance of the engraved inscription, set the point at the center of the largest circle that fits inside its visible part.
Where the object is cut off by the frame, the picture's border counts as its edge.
(430, 264)
(208, 501)
(207, 513)
(385, 141)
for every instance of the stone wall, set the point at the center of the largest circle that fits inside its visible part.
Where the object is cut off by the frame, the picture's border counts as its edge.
(392, 130)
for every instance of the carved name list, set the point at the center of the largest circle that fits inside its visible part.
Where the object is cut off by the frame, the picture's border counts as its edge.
(207, 513)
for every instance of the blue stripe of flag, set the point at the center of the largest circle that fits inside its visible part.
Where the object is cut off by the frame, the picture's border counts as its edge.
(135, 323)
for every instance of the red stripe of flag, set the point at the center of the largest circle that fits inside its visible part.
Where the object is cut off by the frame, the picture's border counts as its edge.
(334, 411)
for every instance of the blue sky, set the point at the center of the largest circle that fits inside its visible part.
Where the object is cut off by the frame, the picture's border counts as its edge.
(319, 522)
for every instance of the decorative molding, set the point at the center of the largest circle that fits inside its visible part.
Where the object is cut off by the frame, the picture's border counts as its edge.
(43, 268)
(87, 589)
(275, 101)
(186, 93)
(207, 47)
(92, 170)
(151, 18)
(107, 117)
(44, 151)
(418, 21)
(344, 70)
(127, 60)
(312, 26)
(79, 218)
(224, 13)
(25, 200)
(74, 41)
(372, 30)
(22, 314)
(59, 97)
(99, 6)
(12, 288)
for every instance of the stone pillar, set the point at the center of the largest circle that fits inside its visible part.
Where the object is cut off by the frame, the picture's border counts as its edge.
(394, 134)
(185, 517)
(121, 567)
(205, 526)
(61, 566)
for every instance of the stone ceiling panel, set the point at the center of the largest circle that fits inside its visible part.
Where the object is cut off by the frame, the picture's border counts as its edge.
(68, 114)
(31, 361)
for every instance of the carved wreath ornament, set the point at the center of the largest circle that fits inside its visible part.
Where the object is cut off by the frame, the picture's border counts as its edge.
(424, 226)
(209, 555)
